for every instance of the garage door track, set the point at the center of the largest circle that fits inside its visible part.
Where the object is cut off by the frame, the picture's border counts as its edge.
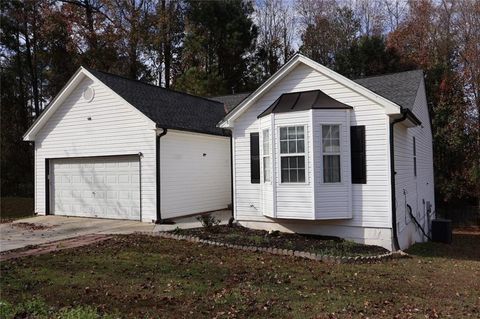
(44, 229)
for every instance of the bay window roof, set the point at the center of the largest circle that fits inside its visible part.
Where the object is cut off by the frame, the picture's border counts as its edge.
(302, 101)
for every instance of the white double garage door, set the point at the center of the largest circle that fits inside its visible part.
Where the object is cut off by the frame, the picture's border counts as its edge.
(100, 187)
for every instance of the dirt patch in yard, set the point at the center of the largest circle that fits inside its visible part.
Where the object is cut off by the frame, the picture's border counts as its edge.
(238, 235)
(53, 246)
(31, 226)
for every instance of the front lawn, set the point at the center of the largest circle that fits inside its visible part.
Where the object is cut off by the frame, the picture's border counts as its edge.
(144, 276)
(15, 207)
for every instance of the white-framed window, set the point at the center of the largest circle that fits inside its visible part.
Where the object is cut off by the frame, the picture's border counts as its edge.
(292, 154)
(266, 156)
(331, 153)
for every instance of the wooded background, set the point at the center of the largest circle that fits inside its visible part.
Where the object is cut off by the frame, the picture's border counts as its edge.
(220, 47)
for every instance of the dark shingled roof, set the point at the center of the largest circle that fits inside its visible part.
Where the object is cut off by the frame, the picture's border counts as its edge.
(167, 108)
(301, 101)
(230, 101)
(400, 88)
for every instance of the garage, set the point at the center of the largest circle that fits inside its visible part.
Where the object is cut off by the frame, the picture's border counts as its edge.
(110, 147)
(101, 187)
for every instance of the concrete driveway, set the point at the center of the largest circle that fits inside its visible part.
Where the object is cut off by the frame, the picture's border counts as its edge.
(44, 229)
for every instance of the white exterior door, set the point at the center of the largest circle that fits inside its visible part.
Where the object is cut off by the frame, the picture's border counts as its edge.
(102, 187)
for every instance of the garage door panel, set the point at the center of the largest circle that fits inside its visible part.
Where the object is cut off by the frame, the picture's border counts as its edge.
(96, 187)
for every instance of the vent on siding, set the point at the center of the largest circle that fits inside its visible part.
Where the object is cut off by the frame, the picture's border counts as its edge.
(88, 94)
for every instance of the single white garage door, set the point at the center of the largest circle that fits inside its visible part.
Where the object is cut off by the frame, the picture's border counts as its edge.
(103, 187)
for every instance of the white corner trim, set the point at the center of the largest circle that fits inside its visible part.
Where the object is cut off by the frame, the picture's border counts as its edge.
(390, 107)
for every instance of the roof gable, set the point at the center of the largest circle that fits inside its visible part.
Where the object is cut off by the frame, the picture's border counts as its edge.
(390, 106)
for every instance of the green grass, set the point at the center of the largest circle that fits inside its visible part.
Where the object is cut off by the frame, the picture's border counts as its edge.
(15, 207)
(143, 277)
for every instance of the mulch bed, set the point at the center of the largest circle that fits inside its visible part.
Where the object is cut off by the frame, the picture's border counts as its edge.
(238, 235)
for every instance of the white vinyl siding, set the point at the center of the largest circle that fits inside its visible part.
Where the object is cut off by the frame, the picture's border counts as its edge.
(411, 190)
(195, 173)
(370, 202)
(114, 128)
(333, 200)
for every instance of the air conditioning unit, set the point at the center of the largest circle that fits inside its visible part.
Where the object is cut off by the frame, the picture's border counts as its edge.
(442, 230)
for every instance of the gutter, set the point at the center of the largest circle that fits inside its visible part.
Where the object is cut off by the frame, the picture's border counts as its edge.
(396, 245)
(157, 167)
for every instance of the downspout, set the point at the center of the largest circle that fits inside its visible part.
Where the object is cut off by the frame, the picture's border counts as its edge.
(396, 245)
(157, 167)
(232, 218)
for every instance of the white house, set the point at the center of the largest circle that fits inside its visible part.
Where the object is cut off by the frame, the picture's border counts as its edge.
(318, 153)
(110, 147)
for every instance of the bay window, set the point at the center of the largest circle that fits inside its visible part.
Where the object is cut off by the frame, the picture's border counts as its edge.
(292, 154)
(331, 153)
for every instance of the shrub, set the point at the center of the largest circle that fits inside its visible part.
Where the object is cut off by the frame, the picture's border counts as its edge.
(208, 221)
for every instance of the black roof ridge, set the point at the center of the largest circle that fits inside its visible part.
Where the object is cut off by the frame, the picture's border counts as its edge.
(386, 74)
(150, 84)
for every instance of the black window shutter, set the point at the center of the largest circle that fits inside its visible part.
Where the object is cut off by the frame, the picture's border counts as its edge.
(254, 158)
(358, 154)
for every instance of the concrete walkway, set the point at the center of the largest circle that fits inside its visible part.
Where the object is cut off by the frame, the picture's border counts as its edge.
(45, 229)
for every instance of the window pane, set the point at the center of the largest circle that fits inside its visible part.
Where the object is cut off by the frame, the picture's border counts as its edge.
(284, 163)
(283, 147)
(266, 169)
(300, 132)
(285, 177)
(335, 131)
(301, 175)
(283, 133)
(292, 147)
(300, 146)
(292, 134)
(301, 162)
(325, 131)
(293, 162)
(266, 142)
(331, 168)
(293, 176)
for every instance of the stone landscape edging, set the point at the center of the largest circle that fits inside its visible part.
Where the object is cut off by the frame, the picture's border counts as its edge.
(289, 252)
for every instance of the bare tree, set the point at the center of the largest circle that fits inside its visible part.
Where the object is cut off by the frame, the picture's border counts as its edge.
(276, 27)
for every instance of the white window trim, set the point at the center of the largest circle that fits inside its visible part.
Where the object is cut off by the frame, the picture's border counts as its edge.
(269, 155)
(342, 177)
(280, 155)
